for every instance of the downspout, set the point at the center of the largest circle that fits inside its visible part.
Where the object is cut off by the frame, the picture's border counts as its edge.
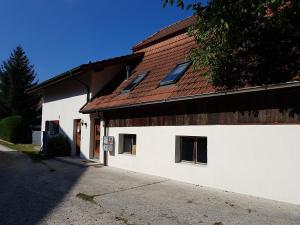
(83, 84)
(105, 158)
(101, 116)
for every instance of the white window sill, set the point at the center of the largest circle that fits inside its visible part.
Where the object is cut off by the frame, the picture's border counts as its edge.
(127, 154)
(192, 164)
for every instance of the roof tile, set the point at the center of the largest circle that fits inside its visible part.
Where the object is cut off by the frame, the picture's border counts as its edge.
(180, 26)
(159, 59)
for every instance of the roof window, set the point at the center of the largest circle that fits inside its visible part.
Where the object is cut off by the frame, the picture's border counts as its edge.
(175, 74)
(135, 82)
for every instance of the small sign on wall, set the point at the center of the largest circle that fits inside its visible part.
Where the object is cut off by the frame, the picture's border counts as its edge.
(108, 143)
(108, 148)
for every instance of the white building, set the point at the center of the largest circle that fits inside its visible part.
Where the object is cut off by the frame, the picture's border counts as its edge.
(168, 120)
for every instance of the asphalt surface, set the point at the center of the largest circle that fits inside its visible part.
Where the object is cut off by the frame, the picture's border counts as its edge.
(57, 192)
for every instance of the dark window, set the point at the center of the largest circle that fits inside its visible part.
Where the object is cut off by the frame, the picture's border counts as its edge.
(129, 143)
(187, 149)
(175, 74)
(201, 150)
(52, 127)
(135, 82)
(193, 149)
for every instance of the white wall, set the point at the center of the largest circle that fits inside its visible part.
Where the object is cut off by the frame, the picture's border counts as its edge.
(63, 103)
(99, 79)
(259, 160)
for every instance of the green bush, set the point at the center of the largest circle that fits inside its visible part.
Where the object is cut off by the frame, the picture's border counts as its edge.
(12, 129)
(59, 146)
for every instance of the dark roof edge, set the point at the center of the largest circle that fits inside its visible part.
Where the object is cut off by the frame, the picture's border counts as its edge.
(81, 68)
(142, 46)
(56, 79)
(148, 42)
(208, 95)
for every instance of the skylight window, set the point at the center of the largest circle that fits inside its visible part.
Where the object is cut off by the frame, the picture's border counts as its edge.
(135, 82)
(175, 74)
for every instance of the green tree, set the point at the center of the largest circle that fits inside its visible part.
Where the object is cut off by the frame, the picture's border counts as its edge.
(16, 76)
(246, 43)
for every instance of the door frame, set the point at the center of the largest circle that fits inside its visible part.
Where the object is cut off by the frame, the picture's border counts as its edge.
(77, 122)
(96, 123)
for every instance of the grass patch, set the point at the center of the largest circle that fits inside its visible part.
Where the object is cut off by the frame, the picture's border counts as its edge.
(85, 197)
(29, 149)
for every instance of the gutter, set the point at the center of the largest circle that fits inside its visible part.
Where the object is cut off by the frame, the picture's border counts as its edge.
(203, 96)
(54, 80)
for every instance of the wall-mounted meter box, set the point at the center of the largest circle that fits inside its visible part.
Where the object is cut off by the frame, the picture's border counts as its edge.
(108, 143)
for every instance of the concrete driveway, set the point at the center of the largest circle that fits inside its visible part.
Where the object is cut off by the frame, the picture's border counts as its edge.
(56, 192)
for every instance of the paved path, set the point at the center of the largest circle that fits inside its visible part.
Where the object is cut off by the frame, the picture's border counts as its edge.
(6, 149)
(45, 192)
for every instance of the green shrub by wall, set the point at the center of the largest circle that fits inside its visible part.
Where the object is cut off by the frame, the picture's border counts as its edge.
(59, 146)
(12, 129)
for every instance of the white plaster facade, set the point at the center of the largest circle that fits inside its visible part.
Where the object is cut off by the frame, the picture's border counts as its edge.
(259, 160)
(63, 101)
(66, 110)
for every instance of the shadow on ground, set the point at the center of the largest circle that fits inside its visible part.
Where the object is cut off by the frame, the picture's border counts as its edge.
(29, 191)
(56, 192)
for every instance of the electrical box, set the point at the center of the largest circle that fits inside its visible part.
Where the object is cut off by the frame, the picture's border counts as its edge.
(108, 143)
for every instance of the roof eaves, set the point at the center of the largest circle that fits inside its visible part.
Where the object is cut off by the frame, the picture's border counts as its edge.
(56, 79)
(84, 67)
(201, 96)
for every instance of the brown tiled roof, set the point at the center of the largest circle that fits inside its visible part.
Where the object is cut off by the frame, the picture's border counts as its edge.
(172, 30)
(159, 59)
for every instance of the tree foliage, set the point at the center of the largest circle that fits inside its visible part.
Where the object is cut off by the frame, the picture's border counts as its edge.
(246, 43)
(16, 76)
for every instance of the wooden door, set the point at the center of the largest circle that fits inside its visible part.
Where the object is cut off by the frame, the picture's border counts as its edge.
(77, 136)
(96, 138)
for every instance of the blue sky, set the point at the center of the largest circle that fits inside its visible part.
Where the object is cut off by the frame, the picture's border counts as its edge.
(58, 35)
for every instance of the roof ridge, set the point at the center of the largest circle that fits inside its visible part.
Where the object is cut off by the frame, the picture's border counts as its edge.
(148, 39)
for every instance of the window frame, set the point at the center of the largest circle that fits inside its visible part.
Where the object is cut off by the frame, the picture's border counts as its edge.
(168, 82)
(143, 75)
(54, 127)
(195, 151)
(122, 144)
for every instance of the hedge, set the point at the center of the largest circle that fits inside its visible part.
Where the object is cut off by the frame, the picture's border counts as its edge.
(12, 129)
